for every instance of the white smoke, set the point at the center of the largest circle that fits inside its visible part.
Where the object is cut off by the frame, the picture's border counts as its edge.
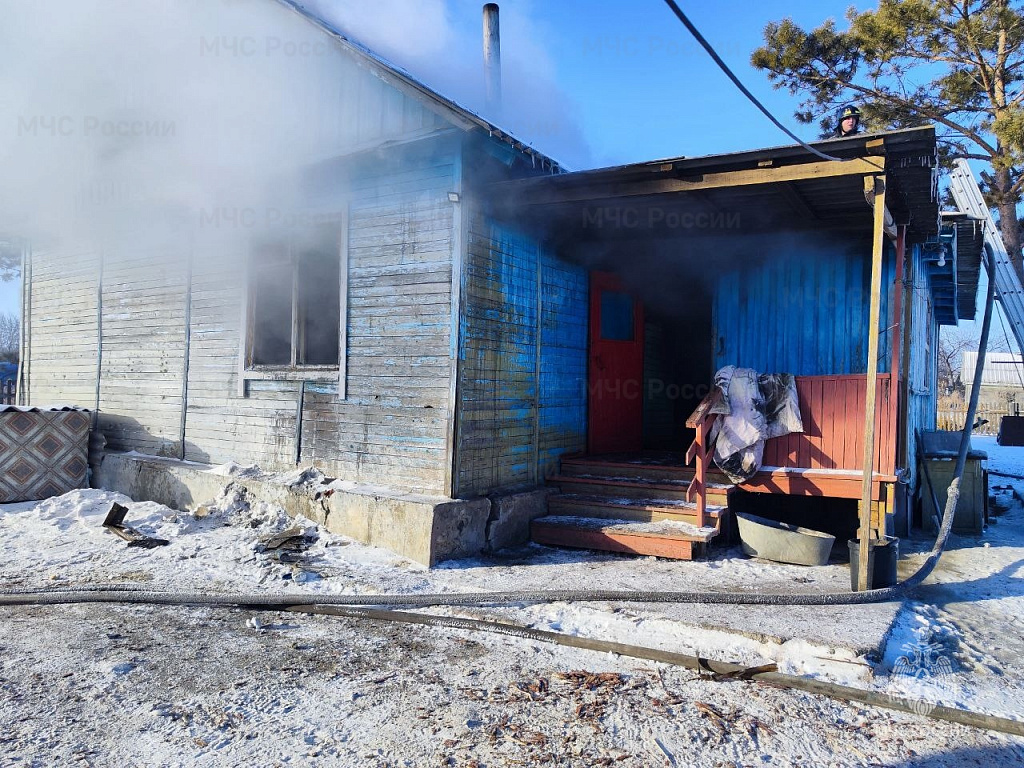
(440, 43)
(123, 118)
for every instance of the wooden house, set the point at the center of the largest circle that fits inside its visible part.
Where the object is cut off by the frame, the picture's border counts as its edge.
(463, 323)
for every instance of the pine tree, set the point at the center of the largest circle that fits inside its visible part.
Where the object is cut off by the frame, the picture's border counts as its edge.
(958, 65)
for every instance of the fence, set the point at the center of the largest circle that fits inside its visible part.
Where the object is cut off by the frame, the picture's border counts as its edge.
(954, 420)
(7, 392)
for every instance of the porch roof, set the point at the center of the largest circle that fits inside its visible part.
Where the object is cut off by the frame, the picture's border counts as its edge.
(758, 191)
(954, 267)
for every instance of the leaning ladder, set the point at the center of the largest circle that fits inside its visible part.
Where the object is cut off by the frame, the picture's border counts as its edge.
(1007, 283)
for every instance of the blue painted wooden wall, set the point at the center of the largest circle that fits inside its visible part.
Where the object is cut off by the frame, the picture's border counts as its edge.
(522, 360)
(563, 360)
(803, 311)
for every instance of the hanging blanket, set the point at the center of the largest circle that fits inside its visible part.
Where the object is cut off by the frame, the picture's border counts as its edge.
(760, 407)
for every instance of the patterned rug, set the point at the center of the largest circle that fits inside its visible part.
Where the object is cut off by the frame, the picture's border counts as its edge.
(42, 453)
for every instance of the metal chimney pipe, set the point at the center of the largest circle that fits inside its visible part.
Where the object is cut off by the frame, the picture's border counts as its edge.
(492, 59)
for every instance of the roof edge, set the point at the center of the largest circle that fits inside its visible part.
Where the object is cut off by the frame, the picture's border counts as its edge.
(394, 75)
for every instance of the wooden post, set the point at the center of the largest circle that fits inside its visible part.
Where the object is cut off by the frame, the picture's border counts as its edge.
(700, 471)
(877, 251)
(896, 355)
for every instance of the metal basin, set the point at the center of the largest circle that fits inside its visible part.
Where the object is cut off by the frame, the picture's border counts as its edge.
(782, 542)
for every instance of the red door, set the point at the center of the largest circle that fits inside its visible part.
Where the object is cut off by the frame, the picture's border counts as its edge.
(616, 367)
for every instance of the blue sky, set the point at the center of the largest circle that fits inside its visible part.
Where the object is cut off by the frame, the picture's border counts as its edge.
(642, 88)
(597, 82)
(10, 300)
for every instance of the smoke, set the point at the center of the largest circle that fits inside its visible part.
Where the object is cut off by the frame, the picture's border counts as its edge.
(126, 120)
(439, 42)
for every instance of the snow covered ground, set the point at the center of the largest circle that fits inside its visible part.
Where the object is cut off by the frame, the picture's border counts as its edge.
(141, 685)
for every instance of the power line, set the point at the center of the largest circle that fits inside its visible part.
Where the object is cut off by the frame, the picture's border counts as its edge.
(736, 81)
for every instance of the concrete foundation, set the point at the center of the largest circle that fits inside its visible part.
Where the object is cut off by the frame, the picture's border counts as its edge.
(511, 515)
(426, 529)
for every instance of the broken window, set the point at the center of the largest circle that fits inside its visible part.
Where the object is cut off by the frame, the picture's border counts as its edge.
(295, 301)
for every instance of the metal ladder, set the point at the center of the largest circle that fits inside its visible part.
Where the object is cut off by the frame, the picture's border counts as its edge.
(1007, 284)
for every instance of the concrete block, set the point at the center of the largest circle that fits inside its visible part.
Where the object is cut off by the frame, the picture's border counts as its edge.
(460, 529)
(511, 515)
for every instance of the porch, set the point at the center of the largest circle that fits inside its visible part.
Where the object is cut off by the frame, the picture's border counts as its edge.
(650, 486)
(803, 273)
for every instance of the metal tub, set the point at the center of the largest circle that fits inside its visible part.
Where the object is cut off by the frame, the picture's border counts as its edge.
(782, 542)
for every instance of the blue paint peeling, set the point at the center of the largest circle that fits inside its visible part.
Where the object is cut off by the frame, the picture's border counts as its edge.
(522, 356)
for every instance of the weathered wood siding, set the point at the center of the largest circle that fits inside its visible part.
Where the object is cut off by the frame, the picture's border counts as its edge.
(563, 360)
(522, 359)
(139, 336)
(220, 426)
(143, 346)
(802, 311)
(392, 427)
(62, 320)
(922, 355)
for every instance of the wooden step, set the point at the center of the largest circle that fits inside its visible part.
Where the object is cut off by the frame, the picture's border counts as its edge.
(594, 466)
(636, 487)
(664, 539)
(648, 468)
(646, 510)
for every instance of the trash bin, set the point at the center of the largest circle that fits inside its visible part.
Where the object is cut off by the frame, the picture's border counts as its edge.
(940, 451)
(883, 555)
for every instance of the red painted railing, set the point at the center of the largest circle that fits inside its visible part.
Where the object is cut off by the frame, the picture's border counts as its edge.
(832, 411)
(700, 421)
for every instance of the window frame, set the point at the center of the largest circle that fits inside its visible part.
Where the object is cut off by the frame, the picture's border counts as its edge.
(294, 371)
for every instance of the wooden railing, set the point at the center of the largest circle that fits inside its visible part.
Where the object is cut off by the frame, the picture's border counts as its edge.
(832, 411)
(700, 451)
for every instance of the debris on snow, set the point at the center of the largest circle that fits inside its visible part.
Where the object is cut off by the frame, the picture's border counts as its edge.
(114, 522)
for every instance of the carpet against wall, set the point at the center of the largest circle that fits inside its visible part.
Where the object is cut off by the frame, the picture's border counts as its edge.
(42, 452)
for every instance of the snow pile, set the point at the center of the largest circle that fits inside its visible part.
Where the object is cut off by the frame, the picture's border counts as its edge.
(234, 505)
(84, 510)
(234, 469)
(300, 478)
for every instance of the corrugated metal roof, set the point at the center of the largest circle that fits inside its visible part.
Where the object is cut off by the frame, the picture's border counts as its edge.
(1004, 277)
(1002, 369)
(958, 250)
(970, 239)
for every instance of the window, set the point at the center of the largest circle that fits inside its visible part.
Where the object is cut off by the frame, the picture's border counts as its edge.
(616, 316)
(295, 305)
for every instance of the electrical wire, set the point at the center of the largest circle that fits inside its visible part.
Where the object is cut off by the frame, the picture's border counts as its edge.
(736, 81)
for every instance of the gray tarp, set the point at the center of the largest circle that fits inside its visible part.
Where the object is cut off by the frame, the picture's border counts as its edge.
(757, 407)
